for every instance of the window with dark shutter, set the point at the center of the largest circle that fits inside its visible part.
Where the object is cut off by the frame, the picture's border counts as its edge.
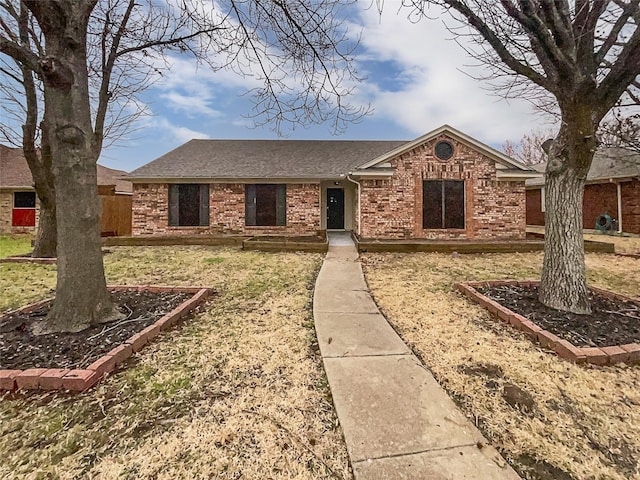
(188, 205)
(442, 204)
(24, 209)
(265, 205)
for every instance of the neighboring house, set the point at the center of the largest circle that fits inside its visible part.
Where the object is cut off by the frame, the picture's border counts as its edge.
(443, 185)
(19, 206)
(611, 194)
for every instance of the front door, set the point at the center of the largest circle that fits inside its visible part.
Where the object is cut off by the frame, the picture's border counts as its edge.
(335, 208)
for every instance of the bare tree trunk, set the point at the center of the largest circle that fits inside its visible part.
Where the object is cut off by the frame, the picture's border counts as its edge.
(82, 298)
(46, 241)
(563, 283)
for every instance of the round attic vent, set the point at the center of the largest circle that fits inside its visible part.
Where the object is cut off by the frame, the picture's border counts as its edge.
(444, 150)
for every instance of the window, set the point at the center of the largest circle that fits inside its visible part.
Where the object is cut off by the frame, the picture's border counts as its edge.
(442, 204)
(444, 150)
(188, 205)
(24, 209)
(265, 205)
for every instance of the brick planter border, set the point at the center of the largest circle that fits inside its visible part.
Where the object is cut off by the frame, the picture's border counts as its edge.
(79, 380)
(628, 353)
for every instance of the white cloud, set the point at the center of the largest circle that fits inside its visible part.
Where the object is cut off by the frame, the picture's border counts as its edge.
(179, 133)
(431, 89)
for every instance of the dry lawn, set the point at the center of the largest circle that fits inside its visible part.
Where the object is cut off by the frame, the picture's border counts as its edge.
(585, 422)
(622, 244)
(237, 392)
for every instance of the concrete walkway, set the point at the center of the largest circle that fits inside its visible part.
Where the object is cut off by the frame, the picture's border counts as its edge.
(398, 422)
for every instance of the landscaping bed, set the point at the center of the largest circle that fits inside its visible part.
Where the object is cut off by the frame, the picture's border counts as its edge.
(237, 391)
(609, 334)
(77, 361)
(551, 419)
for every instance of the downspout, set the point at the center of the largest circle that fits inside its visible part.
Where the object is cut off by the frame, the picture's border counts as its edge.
(359, 211)
(619, 192)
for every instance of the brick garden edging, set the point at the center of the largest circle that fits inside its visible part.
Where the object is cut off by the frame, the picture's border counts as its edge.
(628, 353)
(79, 380)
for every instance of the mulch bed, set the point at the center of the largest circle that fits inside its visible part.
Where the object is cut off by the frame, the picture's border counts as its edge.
(20, 349)
(612, 322)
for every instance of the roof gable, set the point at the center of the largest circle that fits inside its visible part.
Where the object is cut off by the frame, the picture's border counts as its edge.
(471, 142)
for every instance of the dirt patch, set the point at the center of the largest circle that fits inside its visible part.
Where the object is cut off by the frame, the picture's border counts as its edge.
(20, 349)
(612, 321)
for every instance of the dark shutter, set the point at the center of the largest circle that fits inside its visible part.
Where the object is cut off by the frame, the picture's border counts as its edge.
(250, 205)
(174, 204)
(454, 204)
(204, 205)
(432, 204)
(281, 205)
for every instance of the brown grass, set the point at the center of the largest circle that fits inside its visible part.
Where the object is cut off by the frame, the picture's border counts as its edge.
(586, 420)
(236, 392)
(622, 244)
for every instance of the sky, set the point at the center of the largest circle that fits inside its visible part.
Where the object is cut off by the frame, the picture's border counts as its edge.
(417, 79)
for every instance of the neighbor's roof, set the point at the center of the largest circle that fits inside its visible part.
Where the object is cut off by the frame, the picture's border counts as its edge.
(269, 159)
(608, 163)
(14, 172)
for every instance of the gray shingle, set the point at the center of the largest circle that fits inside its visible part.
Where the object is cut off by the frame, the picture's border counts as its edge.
(269, 159)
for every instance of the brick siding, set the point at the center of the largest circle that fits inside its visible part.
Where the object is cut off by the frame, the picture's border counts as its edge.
(226, 211)
(598, 198)
(392, 208)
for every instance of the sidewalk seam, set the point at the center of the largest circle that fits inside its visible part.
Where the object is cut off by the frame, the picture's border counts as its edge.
(417, 452)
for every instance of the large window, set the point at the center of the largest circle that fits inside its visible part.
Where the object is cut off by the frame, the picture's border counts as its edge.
(24, 209)
(188, 205)
(442, 204)
(265, 205)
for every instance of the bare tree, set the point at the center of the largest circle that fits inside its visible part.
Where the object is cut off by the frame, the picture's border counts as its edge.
(580, 57)
(301, 54)
(529, 149)
(21, 97)
(621, 130)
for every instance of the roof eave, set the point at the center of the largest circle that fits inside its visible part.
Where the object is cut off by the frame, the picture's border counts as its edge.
(312, 179)
(510, 175)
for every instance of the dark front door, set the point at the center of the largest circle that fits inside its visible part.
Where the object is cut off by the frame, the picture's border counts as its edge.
(335, 208)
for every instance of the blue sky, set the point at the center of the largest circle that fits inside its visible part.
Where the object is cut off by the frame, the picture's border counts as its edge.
(417, 79)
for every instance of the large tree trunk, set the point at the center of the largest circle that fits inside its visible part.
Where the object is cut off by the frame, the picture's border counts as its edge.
(46, 241)
(82, 298)
(563, 284)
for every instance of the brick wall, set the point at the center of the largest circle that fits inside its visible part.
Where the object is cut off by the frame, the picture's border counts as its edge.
(226, 211)
(6, 209)
(598, 198)
(392, 208)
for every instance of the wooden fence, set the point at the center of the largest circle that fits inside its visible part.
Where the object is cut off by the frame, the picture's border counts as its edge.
(116, 215)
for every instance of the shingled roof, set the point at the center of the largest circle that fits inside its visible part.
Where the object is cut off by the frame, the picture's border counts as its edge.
(15, 174)
(268, 159)
(608, 163)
